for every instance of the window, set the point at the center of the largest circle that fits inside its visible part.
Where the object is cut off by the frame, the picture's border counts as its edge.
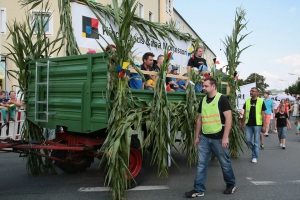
(177, 24)
(168, 6)
(47, 20)
(3, 20)
(150, 16)
(141, 10)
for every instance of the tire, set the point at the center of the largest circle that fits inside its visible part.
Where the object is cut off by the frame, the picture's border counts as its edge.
(74, 161)
(137, 164)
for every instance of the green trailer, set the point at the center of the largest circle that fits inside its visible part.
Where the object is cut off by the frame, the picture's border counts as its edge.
(67, 95)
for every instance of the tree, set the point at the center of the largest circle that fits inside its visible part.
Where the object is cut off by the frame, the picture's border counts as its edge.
(294, 88)
(260, 81)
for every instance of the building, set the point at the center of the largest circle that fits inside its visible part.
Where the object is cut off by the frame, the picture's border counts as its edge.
(158, 11)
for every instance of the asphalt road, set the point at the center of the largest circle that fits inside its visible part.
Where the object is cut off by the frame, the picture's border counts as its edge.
(275, 176)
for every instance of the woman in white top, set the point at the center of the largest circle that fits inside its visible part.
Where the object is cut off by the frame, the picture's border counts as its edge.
(296, 109)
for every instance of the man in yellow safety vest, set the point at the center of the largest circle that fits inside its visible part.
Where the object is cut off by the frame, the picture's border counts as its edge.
(254, 119)
(214, 124)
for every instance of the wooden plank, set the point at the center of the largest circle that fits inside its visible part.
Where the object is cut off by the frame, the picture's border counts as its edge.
(156, 74)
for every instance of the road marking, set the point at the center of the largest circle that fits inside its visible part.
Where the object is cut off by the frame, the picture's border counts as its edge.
(274, 183)
(138, 188)
(249, 178)
(263, 182)
(297, 181)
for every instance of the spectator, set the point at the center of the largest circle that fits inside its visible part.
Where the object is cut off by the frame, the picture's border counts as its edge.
(15, 100)
(6, 105)
(281, 124)
(159, 61)
(150, 84)
(169, 80)
(147, 64)
(254, 119)
(297, 127)
(296, 109)
(136, 81)
(196, 61)
(181, 84)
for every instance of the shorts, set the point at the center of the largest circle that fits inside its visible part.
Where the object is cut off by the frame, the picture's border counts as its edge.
(267, 118)
(281, 132)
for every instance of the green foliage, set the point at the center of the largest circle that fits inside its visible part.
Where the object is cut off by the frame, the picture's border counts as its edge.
(65, 28)
(29, 42)
(294, 88)
(233, 52)
(259, 80)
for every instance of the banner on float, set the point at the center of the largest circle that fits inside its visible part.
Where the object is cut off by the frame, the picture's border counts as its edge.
(85, 25)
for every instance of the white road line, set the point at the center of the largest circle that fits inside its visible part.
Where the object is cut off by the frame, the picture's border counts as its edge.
(297, 181)
(263, 182)
(138, 188)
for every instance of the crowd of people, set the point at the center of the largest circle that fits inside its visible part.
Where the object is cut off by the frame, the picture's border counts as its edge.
(172, 84)
(264, 116)
(9, 103)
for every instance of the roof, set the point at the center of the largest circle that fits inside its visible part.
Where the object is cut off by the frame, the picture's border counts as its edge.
(192, 30)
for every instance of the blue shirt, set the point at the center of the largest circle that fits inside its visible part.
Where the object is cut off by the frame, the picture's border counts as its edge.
(136, 81)
(269, 106)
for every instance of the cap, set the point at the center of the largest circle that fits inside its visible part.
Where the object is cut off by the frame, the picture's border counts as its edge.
(137, 63)
(174, 67)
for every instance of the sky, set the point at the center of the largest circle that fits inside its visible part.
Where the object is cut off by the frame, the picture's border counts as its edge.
(275, 27)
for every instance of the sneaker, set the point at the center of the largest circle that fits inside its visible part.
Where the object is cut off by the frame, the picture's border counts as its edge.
(280, 144)
(254, 160)
(270, 131)
(262, 146)
(194, 193)
(230, 189)
(266, 134)
(283, 146)
(12, 119)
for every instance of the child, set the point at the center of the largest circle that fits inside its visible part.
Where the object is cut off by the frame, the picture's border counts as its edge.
(297, 127)
(6, 105)
(150, 84)
(281, 124)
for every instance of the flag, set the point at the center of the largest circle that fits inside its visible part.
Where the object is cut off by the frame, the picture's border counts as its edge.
(90, 27)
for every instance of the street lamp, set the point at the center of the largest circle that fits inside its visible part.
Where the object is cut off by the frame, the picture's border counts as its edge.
(287, 82)
(293, 74)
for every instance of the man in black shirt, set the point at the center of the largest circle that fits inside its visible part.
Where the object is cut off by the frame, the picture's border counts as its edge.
(214, 124)
(254, 119)
(147, 64)
(196, 61)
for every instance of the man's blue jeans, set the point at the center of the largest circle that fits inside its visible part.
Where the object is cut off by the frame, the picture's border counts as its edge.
(253, 132)
(207, 146)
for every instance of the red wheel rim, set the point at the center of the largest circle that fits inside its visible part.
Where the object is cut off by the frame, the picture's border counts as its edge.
(135, 162)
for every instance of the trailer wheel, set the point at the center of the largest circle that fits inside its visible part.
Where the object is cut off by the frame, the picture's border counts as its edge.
(74, 161)
(137, 164)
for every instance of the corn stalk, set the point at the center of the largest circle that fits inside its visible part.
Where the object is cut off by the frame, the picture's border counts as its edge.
(233, 52)
(29, 42)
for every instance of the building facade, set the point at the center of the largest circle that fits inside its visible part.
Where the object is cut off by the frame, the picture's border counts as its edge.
(153, 10)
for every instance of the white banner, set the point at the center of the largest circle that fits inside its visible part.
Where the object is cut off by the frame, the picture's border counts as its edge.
(85, 24)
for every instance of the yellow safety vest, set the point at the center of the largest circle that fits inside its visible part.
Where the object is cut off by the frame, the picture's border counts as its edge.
(211, 120)
(258, 107)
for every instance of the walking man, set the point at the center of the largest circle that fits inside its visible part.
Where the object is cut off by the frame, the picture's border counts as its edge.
(254, 119)
(268, 112)
(214, 124)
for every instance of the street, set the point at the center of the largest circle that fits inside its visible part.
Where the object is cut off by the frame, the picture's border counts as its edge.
(275, 176)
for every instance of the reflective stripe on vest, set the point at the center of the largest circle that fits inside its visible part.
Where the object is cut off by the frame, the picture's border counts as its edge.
(211, 120)
(258, 108)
